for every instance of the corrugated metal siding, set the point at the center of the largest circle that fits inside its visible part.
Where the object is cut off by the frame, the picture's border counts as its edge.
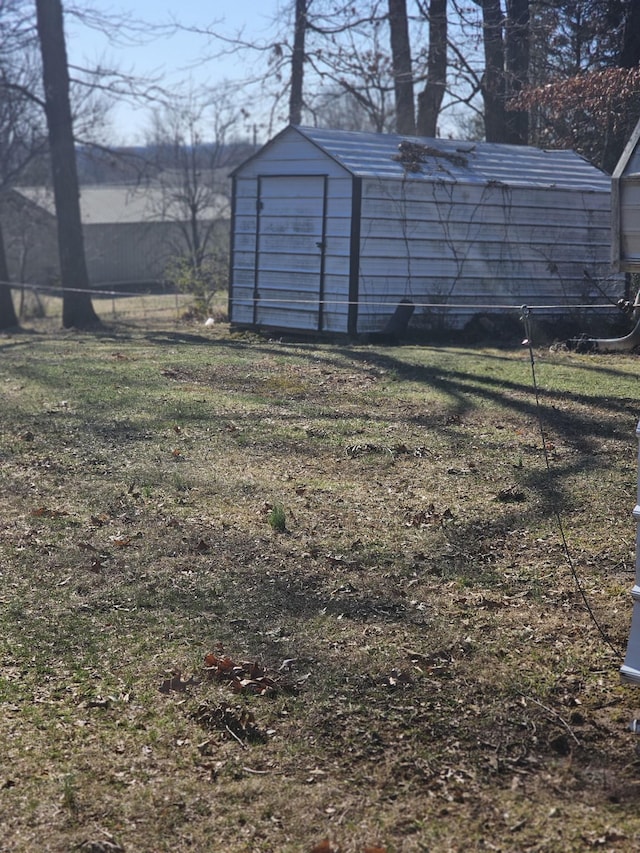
(282, 238)
(625, 199)
(30, 241)
(630, 217)
(119, 254)
(632, 166)
(480, 246)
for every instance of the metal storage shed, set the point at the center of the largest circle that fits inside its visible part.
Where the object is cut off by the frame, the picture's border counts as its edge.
(331, 229)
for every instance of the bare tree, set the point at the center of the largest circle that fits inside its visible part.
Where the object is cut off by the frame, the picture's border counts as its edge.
(581, 93)
(21, 135)
(77, 308)
(297, 62)
(402, 67)
(431, 97)
(8, 316)
(517, 50)
(191, 177)
(493, 80)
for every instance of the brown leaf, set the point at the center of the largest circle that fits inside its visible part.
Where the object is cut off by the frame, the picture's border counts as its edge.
(45, 512)
(175, 683)
(324, 847)
(253, 669)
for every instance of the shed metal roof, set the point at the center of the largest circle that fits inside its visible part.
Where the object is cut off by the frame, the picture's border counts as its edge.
(419, 158)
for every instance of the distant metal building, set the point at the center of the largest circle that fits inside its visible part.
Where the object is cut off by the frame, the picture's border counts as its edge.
(332, 229)
(131, 233)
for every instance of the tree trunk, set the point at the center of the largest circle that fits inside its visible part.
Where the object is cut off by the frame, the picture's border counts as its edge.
(430, 99)
(8, 318)
(297, 63)
(517, 48)
(493, 83)
(630, 52)
(402, 70)
(77, 310)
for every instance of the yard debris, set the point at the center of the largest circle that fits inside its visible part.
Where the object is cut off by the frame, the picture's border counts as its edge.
(324, 846)
(106, 845)
(428, 516)
(175, 683)
(201, 547)
(355, 450)
(512, 494)
(46, 512)
(239, 723)
(247, 676)
(412, 155)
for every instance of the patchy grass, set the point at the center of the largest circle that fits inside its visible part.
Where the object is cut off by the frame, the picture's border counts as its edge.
(398, 658)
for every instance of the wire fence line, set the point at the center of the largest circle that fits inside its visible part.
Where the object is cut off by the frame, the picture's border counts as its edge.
(46, 301)
(58, 291)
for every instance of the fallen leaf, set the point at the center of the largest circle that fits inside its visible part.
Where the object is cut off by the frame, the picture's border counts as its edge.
(45, 512)
(175, 683)
(324, 847)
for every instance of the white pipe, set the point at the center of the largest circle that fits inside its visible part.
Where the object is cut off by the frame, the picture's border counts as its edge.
(625, 344)
(630, 671)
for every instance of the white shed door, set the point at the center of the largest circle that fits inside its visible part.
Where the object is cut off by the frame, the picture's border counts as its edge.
(290, 251)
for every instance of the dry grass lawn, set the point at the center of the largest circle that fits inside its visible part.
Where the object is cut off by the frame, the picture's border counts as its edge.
(263, 595)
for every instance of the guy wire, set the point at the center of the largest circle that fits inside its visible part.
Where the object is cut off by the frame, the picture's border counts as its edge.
(526, 320)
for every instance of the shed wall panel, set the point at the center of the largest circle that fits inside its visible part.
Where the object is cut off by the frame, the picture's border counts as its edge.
(478, 246)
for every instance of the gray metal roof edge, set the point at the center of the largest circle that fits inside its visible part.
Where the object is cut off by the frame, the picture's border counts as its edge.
(34, 203)
(257, 153)
(310, 132)
(298, 129)
(626, 155)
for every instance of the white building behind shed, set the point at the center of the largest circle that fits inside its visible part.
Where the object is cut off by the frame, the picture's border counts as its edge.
(331, 229)
(625, 205)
